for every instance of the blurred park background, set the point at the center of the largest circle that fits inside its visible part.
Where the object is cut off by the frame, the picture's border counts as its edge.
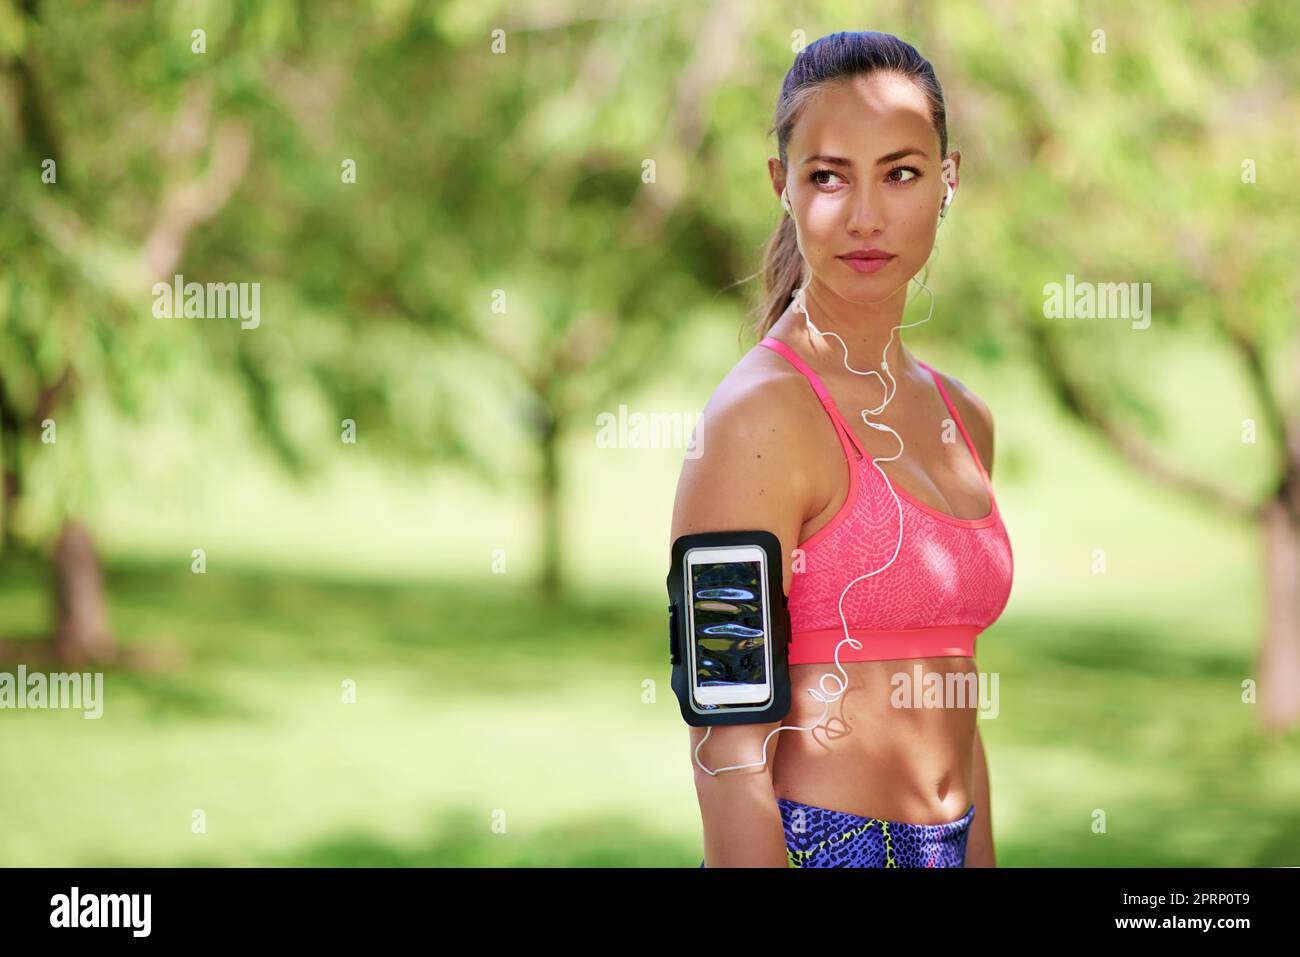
(424, 637)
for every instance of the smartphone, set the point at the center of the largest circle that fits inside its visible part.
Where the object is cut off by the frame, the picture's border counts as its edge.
(729, 626)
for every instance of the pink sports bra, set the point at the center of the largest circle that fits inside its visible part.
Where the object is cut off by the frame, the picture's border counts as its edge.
(950, 580)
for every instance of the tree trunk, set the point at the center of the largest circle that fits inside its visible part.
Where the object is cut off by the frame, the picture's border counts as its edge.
(1279, 659)
(10, 482)
(552, 580)
(81, 613)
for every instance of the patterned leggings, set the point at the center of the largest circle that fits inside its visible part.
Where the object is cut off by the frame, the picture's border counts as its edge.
(819, 837)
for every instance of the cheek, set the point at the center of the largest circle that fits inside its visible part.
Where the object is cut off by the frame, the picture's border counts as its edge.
(914, 211)
(917, 222)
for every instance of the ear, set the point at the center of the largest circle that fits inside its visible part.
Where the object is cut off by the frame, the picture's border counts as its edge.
(777, 175)
(952, 170)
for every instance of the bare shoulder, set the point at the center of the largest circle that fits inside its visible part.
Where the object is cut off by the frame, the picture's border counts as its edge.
(763, 391)
(744, 469)
(975, 415)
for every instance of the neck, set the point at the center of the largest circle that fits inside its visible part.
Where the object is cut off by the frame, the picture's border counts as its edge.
(865, 329)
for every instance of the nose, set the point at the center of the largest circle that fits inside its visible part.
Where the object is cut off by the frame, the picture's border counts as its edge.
(865, 217)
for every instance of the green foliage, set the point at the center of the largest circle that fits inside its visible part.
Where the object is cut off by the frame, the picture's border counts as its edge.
(522, 171)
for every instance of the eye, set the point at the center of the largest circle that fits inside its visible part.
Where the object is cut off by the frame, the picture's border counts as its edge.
(830, 172)
(904, 169)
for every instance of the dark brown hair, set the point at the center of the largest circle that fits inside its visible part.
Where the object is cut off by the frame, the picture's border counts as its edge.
(835, 57)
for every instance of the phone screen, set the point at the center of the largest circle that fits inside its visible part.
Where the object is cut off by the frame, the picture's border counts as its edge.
(730, 633)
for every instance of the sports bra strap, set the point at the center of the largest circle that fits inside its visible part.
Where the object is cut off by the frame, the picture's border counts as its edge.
(956, 416)
(848, 438)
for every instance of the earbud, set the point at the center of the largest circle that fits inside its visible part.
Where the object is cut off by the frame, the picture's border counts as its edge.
(943, 210)
(801, 306)
(785, 202)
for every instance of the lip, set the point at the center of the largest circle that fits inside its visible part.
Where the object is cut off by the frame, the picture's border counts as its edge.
(866, 260)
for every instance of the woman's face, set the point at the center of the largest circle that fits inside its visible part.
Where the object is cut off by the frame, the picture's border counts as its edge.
(865, 173)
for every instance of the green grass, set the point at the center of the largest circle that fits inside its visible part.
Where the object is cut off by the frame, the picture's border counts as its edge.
(476, 704)
(468, 706)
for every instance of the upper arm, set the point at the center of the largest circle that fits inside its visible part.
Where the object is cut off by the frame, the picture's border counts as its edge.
(743, 479)
(743, 476)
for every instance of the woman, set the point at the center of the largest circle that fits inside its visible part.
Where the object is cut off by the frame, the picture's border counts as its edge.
(911, 578)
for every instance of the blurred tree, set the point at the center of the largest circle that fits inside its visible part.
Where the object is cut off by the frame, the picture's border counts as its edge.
(275, 148)
(1163, 144)
(591, 223)
(138, 149)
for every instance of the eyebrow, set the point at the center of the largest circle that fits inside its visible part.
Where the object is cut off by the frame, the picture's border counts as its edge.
(887, 158)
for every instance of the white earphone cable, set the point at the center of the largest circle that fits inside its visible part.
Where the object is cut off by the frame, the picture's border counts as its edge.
(826, 696)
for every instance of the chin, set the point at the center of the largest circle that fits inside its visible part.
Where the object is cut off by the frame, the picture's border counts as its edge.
(872, 290)
(857, 286)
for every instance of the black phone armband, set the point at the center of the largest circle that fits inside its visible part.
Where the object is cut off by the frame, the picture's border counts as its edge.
(776, 632)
